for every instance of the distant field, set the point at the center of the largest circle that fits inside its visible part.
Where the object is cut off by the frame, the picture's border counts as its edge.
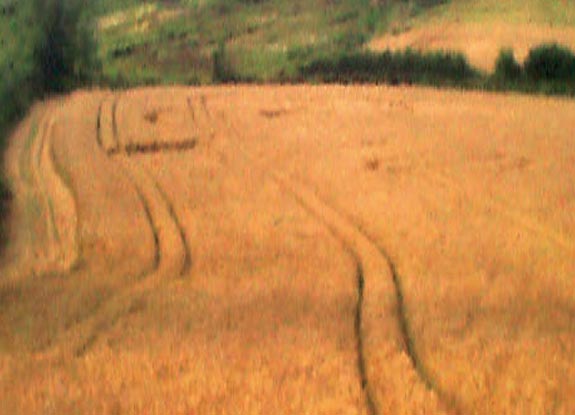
(263, 40)
(269, 40)
(290, 250)
(481, 28)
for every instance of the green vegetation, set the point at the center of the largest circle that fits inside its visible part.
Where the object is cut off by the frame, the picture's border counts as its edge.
(539, 12)
(507, 69)
(548, 69)
(401, 67)
(64, 48)
(47, 46)
(263, 40)
(550, 62)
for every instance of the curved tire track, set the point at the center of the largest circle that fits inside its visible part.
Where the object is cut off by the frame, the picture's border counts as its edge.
(41, 194)
(303, 200)
(185, 248)
(382, 317)
(64, 212)
(382, 327)
(48, 187)
(158, 207)
(28, 203)
(171, 250)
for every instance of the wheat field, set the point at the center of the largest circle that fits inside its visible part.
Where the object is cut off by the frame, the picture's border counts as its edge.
(290, 250)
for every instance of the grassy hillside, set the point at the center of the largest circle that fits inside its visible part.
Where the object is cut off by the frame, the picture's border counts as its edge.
(268, 40)
(550, 12)
(175, 41)
(481, 28)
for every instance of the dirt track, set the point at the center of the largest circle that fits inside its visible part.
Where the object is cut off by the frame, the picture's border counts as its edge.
(321, 250)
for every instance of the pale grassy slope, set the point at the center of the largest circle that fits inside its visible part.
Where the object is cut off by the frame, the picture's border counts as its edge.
(481, 28)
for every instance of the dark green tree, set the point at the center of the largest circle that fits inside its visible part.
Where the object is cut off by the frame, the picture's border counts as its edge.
(550, 62)
(65, 50)
(507, 69)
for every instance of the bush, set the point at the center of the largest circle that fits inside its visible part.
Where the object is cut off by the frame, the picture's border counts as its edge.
(349, 40)
(436, 68)
(222, 67)
(506, 67)
(550, 62)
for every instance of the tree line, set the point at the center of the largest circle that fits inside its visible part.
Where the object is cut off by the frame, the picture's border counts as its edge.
(46, 47)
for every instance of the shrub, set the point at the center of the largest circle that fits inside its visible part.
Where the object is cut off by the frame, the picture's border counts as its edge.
(506, 67)
(550, 62)
(435, 68)
(349, 40)
(222, 67)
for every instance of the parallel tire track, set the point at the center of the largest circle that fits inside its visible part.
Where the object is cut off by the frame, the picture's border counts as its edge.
(174, 253)
(154, 201)
(171, 250)
(40, 191)
(381, 319)
(312, 209)
(144, 183)
(187, 260)
(63, 206)
(450, 403)
(153, 227)
(377, 278)
(56, 197)
(75, 233)
(28, 199)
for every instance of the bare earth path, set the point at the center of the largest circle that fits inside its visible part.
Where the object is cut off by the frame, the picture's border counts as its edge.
(290, 250)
